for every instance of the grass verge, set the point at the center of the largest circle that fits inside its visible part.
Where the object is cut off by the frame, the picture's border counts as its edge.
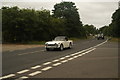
(115, 39)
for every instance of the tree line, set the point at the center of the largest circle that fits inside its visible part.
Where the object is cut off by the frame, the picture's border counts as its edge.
(113, 29)
(24, 25)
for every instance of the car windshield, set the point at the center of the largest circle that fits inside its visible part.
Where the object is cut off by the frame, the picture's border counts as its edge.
(59, 39)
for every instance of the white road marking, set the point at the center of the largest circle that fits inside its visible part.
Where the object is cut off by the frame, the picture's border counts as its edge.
(23, 77)
(23, 71)
(88, 51)
(8, 76)
(28, 53)
(56, 64)
(76, 53)
(67, 56)
(35, 73)
(64, 61)
(73, 54)
(101, 43)
(35, 67)
(70, 58)
(76, 56)
(80, 55)
(46, 68)
(62, 58)
(81, 51)
(55, 60)
(47, 63)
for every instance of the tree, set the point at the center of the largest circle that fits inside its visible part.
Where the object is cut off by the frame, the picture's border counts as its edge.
(68, 11)
(90, 29)
(115, 25)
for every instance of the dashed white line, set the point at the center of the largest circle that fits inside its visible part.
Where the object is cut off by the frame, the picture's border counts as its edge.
(28, 53)
(35, 67)
(73, 54)
(62, 58)
(8, 76)
(80, 55)
(47, 63)
(23, 77)
(67, 56)
(23, 71)
(55, 60)
(35, 73)
(64, 61)
(46, 68)
(56, 64)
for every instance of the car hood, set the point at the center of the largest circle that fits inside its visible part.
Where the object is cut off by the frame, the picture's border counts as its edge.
(53, 42)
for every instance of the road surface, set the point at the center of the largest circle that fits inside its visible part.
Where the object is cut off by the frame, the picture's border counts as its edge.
(87, 59)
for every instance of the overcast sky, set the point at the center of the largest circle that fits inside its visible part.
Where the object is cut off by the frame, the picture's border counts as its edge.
(95, 12)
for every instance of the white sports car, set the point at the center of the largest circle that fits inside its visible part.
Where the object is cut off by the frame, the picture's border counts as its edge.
(59, 42)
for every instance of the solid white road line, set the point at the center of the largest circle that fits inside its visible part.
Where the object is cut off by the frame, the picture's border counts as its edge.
(47, 63)
(56, 64)
(28, 53)
(70, 58)
(23, 71)
(8, 76)
(35, 73)
(46, 68)
(35, 67)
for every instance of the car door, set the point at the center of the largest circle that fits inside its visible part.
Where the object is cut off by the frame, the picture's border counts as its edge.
(66, 42)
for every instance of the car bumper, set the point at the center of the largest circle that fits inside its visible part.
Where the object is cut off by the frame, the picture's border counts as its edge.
(57, 46)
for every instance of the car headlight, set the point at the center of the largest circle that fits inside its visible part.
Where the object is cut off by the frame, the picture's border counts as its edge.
(46, 44)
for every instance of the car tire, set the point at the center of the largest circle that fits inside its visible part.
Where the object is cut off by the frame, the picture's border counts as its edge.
(61, 47)
(70, 46)
(47, 49)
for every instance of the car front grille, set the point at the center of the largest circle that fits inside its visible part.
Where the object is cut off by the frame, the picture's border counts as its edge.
(50, 44)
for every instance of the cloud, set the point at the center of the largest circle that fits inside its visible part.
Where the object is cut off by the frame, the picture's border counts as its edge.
(96, 13)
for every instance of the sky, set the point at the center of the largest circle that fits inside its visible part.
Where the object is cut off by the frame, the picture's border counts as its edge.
(92, 12)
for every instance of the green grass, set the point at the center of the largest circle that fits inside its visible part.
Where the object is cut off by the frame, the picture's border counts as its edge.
(77, 39)
(115, 39)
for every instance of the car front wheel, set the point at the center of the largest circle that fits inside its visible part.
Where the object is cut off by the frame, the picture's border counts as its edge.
(61, 47)
(47, 49)
(70, 46)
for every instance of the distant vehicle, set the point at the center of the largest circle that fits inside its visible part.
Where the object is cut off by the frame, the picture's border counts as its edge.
(100, 36)
(59, 42)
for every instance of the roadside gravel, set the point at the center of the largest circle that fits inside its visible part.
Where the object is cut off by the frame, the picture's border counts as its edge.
(12, 47)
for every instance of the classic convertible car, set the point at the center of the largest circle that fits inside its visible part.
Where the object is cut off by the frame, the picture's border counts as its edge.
(59, 42)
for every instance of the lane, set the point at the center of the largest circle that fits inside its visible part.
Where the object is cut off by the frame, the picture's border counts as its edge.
(48, 67)
(100, 63)
(13, 62)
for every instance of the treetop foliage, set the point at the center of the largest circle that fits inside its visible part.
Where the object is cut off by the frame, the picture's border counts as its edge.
(24, 25)
(114, 27)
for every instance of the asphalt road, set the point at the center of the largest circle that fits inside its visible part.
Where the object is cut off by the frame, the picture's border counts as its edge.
(87, 59)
